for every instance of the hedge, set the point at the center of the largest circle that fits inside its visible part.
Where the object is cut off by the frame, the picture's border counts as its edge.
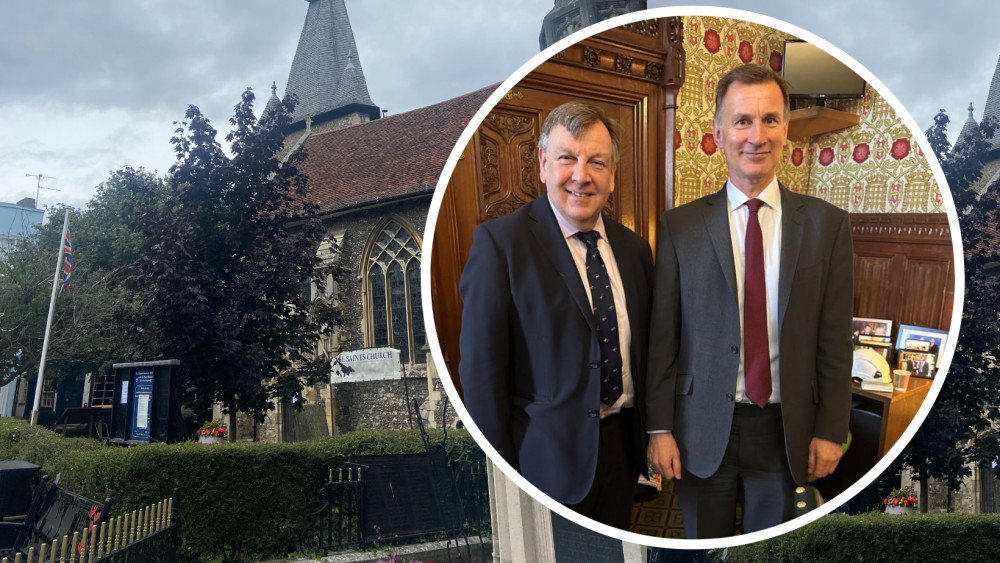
(876, 537)
(237, 500)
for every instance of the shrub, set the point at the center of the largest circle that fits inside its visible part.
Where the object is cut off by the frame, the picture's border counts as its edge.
(876, 537)
(237, 500)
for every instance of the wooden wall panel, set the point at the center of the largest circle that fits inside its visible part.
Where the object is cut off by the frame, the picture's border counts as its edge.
(633, 73)
(904, 268)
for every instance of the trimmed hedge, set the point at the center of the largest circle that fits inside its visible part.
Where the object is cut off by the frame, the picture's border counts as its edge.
(237, 500)
(877, 537)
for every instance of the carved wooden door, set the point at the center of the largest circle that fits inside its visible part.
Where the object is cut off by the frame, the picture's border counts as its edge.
(633, 73)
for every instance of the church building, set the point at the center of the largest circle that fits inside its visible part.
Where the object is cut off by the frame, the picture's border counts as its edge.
(372, 176)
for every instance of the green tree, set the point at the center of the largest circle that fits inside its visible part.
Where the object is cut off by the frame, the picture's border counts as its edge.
(84, 337)
(960, 428)
(222, 270)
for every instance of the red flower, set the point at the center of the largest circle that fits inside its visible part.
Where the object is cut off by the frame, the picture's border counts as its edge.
(677, 138)
(708, 144)
(797, 156)
(712, 41)
(900, 149)
(861, 152)
(826, 156)
(775, 61)
(746, 51)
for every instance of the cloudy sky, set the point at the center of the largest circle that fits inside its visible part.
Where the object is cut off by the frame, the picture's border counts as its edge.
(90, 87)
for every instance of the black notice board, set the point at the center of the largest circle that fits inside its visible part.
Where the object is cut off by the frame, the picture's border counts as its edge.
(409, 495)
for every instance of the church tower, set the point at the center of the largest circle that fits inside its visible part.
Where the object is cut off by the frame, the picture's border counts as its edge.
(326, 75)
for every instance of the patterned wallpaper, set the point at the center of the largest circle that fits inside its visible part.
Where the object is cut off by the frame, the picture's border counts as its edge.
(873, 167)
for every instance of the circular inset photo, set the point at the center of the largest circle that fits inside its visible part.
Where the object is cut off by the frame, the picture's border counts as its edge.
(675, 262)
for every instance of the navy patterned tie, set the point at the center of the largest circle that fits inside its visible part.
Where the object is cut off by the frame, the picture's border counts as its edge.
(603, 301)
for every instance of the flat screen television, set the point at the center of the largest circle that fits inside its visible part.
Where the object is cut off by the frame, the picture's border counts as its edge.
(812, 73)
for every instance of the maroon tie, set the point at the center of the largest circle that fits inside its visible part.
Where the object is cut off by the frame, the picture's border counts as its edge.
(756, 353)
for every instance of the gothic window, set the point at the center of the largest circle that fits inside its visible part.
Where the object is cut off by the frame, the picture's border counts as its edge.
(392, 279)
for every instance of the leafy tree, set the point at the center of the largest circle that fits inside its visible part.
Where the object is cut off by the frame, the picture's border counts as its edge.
(222, 270)
(84, 337)
(960, 428)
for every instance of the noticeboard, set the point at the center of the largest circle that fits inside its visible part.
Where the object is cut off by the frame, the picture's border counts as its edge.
(142, 402)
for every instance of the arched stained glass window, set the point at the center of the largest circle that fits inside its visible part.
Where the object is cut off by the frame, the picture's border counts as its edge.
(419, 335)
(381, 329)
(393, 278)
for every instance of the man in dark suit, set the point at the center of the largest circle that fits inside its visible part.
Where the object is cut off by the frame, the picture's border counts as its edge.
(555, 325)
(748, 389)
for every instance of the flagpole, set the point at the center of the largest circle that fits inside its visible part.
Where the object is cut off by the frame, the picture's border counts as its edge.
(48, 323)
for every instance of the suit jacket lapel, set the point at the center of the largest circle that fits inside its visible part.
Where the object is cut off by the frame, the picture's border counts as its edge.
(717, 223)
(546, 231)
(792, 227)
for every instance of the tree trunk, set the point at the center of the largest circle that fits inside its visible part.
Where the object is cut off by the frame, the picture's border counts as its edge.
(922, 501)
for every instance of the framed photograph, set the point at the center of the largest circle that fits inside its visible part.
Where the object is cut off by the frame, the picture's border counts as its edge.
(921, 339)
(872, 331)
(919, 364)
(882, 349)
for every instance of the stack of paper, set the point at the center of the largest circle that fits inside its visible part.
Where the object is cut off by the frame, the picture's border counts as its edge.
(876, 385)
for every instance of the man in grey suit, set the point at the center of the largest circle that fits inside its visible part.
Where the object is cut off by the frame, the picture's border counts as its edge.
(748, 387)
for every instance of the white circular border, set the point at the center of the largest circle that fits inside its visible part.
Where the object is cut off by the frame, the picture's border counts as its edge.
(830, 505)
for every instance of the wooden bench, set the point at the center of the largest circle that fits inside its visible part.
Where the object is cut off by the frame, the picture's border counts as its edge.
(54, 513)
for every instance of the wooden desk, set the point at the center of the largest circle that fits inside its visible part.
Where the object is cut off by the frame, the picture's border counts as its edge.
(897, 409)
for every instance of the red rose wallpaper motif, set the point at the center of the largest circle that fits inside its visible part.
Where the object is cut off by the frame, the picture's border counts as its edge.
(797, 156)
(712, 41)
(746, 52)
(677, 137)
(708, 144)
(775, 61)
(900, 149)
(861, 153)
(826, 156)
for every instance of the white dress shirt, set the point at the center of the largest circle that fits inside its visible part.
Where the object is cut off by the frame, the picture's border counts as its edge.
(578, 249)
(769, 216)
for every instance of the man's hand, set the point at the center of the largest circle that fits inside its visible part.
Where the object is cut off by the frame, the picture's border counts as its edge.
(664, 455)
(823, 458)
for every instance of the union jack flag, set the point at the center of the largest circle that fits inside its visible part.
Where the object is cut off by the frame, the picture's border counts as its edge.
(67, 262)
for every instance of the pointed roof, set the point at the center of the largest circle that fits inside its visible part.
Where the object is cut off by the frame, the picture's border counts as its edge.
(967, 129)
(325, 56)
(993, 103)
(273, 103)
(395, 157)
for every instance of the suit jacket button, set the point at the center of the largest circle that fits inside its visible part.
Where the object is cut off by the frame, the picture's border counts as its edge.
(730, 397)
(735, 349)
(593, 413)
(594, 365)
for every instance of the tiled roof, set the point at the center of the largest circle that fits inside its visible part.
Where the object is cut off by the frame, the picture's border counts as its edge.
(993, 103)
(385, 159)
(325, 54)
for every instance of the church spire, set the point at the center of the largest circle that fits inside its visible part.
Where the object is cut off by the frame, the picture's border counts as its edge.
(273, 103)
(993, 103)
(967, 129)
(327, 55)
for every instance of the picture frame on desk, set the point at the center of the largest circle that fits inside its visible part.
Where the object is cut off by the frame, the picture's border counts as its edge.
(918, 363)
(871, 331)
(882, 349)
(922, 339)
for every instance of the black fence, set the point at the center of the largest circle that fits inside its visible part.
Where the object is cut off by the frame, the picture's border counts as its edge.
(398, 499)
